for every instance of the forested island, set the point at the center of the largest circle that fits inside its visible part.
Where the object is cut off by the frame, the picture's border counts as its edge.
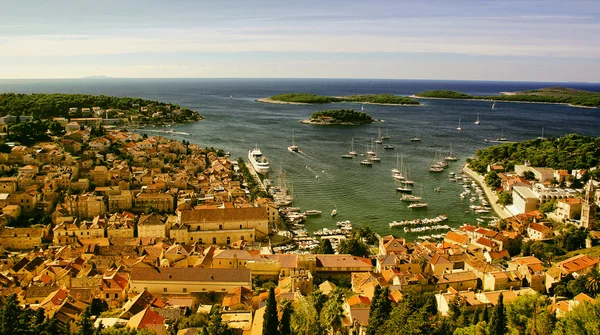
(308, 98)
(348, 117)
(45, 106)
(569, 152)
(560, 95)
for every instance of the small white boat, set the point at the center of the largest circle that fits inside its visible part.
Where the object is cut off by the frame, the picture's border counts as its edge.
(334, 212)
(417, 205)
(459, 127)
(415, 139)
(375, 159)
(410, 198)
(347, 156)
(388, 146)
(477, 122)
(366, 162)
(352, 152)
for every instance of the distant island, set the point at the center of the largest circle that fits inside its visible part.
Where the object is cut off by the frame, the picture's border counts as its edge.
(309, 98)
(560, 95)
(346, 117)
(128, 110)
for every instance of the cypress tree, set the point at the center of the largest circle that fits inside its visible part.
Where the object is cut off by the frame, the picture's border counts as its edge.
(498, 323)
(270, 319)
(86, 327)
(381, 307)
(286, 314)
(485, 315)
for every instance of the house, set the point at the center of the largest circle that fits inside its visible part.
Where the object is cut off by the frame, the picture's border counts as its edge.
(531, 270)
(187, 280)
(568, 209)
(468, 299)
(162, 202)
(565, 306)
(148, 319)
(340, 265)
(239, 298)
(501, 280)
(390, 244)
(578, 265)
(152, 225)
(22, 238)
(456, 239)
(539, 232)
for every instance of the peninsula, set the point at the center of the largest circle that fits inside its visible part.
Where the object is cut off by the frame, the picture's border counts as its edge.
(559, 95)
(346, 117)
(117, 110)
(308, 98)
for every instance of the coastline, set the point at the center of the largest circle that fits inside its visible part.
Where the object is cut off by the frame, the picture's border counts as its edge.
(376, 103)
(503, 93)
(271, 101)
(492, 197)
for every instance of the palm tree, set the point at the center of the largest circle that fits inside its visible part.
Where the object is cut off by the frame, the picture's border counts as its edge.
(333, 315)
(592, 283)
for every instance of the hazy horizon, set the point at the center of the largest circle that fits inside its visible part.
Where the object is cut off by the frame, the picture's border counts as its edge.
(517, 40)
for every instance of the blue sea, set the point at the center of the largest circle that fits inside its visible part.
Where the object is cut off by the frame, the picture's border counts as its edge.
(319, 177)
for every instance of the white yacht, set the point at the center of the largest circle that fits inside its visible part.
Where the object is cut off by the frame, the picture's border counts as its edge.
(450, 156)
(334, 212)
(366, 162)
(477, 122)
(259, 161)
(410, 198)
(293, 147)
(459, 127)
(379, 140)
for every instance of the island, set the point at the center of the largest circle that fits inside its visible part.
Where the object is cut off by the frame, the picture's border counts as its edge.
(114, 110)
(309, 98)
(559, 95)
(346, 117)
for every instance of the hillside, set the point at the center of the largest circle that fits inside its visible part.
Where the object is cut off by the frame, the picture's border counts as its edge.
(309, 98)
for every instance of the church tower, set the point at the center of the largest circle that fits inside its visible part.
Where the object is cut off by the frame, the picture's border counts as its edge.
(588, 207)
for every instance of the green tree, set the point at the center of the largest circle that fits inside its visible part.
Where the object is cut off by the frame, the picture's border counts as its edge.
(529, 175)
(84, 324)
(583, 319)
(286, 315)
(380, 308)
(325, 247)
(305, 319)
(492, 179)
(497, 324)
(215, 324)
(548, 207)
(270, 318)
(505, 198)
(354, 246)
(332, 315)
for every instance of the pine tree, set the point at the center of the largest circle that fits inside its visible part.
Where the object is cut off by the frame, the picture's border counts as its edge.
(325, 247)
(485, 315)
(498, 323)
(270, 319)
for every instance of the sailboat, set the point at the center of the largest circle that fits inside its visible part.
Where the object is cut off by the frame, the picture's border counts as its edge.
(387, 135)
(231, 97)
(415, 139)
(397, 172)
(458, 128)
(477, 122)
(502, 138)
(494, 105)
(378, 140)
(362, 108)
(408, 181)
(370, 151)
(293, 147)
(334, 212)
(450, 156)
(419, 203)
(375, 158)
(352, 152)
(542, 137)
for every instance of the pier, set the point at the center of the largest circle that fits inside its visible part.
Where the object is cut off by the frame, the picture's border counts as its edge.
(256, 177)
(499, 209)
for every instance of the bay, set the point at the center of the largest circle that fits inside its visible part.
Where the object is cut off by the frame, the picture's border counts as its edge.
(321, 179)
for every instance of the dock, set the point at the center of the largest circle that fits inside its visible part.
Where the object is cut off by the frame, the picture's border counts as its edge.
(256, 177)
(492, 197)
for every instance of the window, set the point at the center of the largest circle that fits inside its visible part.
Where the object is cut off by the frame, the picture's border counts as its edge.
(107, 295)
(220, 227)
(200, 240)
(228, 240)
(240, 226)
(242, 237)
(203, 289)
(229, 263)
(116, 295)
(184, 290)
(165, 289)
(214, 240)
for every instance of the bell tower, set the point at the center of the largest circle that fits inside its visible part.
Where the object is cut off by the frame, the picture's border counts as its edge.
(588, 207)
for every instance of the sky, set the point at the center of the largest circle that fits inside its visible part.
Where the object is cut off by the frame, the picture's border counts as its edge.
(521, 40)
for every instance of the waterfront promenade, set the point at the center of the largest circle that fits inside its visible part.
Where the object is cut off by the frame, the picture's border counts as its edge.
(491, 195)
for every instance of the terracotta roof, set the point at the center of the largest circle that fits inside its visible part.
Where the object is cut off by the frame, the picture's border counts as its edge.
(485, 242)
(238, 295)
(344, 261)
(223, 215)
(190, 274)
(577, 263)
(358, 299)
(539, 228)
(457, 238)
(145, 318)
